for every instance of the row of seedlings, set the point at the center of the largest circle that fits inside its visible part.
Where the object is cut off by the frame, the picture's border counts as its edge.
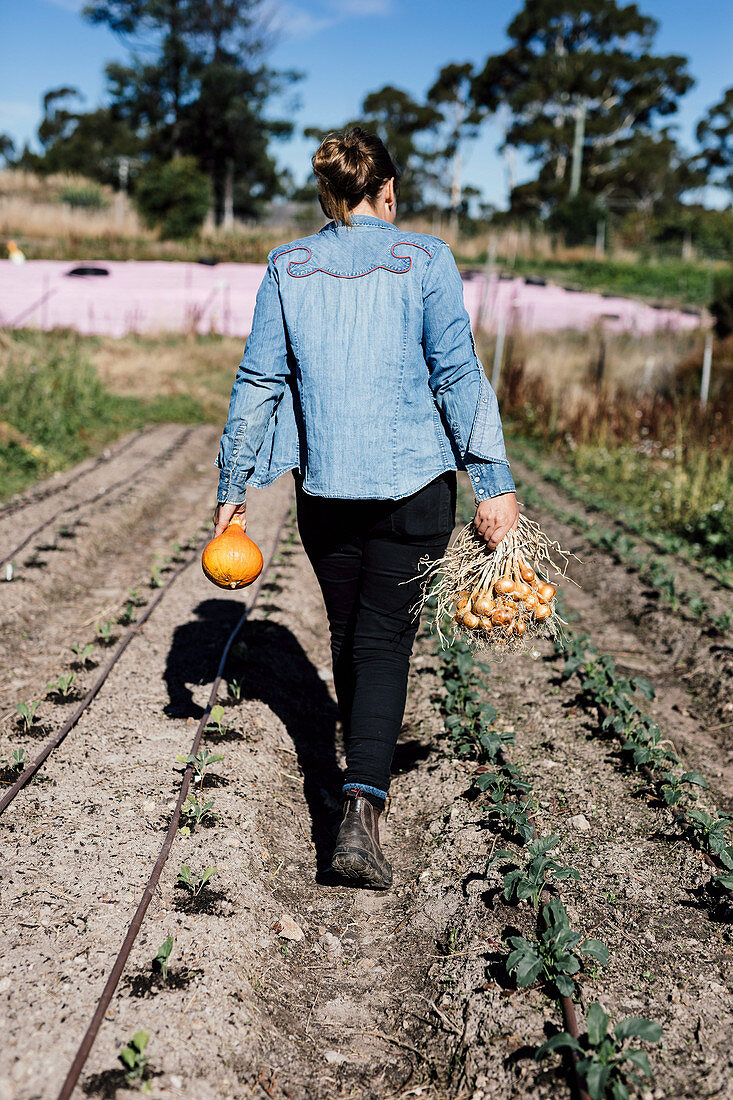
(197, 811)
(645, 748)
(651, 569)
(65, 688)
(600, 1062)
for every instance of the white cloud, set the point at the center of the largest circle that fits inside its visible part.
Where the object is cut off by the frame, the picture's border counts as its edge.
(293, 21)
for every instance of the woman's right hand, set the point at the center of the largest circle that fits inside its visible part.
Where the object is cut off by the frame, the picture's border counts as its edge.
(495, 517)
(223, 514)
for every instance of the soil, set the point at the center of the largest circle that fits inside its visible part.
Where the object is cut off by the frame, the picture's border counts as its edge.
(284, 983)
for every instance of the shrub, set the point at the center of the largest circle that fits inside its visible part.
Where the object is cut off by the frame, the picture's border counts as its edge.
(721, 306)
(87, 196)
(174, 196)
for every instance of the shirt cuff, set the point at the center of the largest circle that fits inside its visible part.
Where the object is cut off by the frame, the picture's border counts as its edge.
(230, 494)
(490, 479)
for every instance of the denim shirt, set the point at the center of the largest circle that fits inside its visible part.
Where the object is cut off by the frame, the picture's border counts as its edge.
(361, 372)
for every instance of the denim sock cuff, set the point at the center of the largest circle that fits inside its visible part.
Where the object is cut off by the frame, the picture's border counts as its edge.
(365, 788)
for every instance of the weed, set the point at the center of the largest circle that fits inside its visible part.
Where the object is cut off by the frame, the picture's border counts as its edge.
(606, 1064)
(27, 712)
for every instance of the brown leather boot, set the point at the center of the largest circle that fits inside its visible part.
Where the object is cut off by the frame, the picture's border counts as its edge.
(357, 854)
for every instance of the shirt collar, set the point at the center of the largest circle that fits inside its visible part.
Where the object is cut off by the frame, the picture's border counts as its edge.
(363, 219)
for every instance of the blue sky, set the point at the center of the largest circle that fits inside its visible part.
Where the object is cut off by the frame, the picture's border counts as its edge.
(347, 48)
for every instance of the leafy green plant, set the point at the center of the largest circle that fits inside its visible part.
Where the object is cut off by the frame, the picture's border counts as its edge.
(104, 630)
(133, 1057)
(163, 954)
(235, 688)
(194, 812)
(201, 763)
(526, 883)
(63, 686)
(606, 1064)
(217, 725)
(710, 834)
(83, 652)
(554, 956)
(127, 615)
(27, 712)
(17, 761)
(673, 788)
(193, 882)
(156, 580)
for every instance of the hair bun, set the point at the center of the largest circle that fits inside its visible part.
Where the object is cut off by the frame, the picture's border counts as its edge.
(351, 166)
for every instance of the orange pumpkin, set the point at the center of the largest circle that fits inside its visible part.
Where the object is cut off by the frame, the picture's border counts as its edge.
(232, 559)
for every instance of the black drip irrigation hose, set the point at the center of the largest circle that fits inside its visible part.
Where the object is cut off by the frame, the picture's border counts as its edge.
(103, 1003)
(127, 480)
(57, 738)
(107, 455)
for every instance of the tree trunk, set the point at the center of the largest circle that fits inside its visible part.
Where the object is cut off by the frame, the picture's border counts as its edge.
(229, 195)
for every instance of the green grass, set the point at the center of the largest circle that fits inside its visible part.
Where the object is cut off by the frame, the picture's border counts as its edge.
(686, 494)
(674, 282)
(57, 412)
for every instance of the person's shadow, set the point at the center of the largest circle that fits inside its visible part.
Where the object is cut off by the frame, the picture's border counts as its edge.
(272, 666)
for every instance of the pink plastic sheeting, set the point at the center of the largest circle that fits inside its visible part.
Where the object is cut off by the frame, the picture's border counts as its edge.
(158, 296)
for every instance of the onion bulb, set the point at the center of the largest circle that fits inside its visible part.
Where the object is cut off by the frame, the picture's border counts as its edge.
(504, 586)
(542, 612)
(547, 592)
(470, 621)
(526, 573)
(530, 601)
(483, 604)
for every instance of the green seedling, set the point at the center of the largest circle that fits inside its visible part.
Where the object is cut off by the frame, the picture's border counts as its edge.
(160, 962)
(515, 814)
(527, 883)
(17, 762)
(555, 955)
(27, 712)
(673, 787)
(156, 581)
(133, 1057)
(83, 652)
(194, 813)
(216, 725)
(201, 763)
(607, 1065)
(722, 622)
(194, 883)
(127, 615)
(135, 597)
(104, 630)
(63, 686)
(710, 834)
(235, 690)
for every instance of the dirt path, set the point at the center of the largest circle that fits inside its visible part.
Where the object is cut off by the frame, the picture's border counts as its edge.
(375, 995)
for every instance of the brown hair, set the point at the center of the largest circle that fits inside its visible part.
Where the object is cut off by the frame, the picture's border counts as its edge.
(349, 167)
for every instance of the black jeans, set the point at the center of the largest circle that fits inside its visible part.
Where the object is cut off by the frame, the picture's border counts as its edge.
(366, 554)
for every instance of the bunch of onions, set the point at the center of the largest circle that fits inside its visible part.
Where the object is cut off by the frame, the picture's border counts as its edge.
(497, 598)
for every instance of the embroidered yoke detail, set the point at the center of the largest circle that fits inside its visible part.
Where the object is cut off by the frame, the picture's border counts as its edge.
(358, 274)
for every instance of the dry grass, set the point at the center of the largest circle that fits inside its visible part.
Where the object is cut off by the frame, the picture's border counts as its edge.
(568, 362)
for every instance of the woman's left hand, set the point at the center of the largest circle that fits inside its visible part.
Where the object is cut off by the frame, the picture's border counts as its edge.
(223, 514)
(496, 517)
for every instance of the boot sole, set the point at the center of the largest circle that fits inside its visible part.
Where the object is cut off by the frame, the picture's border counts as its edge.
(359, 866)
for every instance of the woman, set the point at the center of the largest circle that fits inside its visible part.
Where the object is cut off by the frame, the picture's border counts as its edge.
(360, 375)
